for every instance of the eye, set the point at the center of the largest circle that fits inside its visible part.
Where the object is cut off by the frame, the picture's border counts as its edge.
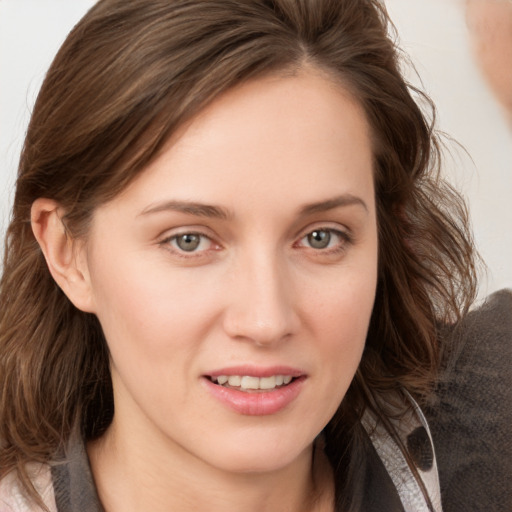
(319, 239)
(189, 242)
(325, 238)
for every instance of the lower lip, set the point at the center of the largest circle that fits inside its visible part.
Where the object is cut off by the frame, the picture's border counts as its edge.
(259, 403)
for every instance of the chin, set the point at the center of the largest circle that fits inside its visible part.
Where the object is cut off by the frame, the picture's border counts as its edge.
(260, 455)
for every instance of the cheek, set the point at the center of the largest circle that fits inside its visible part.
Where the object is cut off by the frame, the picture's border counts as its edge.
(345, 333)
(345, 301)
(150, 322)
(134, 296)
(340, 340)
(150, 317)
(155, 322)
(340, 316)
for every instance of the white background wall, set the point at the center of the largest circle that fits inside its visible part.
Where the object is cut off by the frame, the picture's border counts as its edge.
(434, 34)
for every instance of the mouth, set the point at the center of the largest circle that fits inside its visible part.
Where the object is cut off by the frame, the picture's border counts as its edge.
(256, 391)
(252, 384)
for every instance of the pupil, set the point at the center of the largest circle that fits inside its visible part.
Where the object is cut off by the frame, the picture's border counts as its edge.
(188, 242)
(319, 239)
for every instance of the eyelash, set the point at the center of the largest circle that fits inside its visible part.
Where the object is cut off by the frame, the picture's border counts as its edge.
(344, 239)
(171, 244)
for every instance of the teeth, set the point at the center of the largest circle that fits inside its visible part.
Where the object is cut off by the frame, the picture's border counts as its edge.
(234, 380)
(267, 382)
(253, 383)
(250, 382)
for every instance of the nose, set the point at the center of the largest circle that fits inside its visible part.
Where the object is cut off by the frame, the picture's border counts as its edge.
(261, 305)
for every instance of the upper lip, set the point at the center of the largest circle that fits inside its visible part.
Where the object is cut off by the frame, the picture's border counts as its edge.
(257, 371)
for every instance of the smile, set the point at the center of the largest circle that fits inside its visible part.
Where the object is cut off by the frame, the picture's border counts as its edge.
(250, 383)
(255, 396)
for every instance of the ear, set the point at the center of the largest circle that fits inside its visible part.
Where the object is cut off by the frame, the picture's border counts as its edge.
(66, 257)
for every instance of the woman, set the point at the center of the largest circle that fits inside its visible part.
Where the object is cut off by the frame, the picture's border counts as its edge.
(229, 254)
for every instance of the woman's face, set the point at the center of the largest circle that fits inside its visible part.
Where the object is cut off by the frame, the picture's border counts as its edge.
(243, 258)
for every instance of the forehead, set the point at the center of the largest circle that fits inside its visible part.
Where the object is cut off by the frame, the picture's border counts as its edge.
(302, 134)
(309, 99)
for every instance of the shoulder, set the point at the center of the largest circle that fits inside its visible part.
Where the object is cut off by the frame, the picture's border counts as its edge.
(14, 499)
(411, 434)
(471, 416)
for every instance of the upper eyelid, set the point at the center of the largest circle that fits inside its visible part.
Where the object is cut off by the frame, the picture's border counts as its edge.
(173, 233)
(169, 234)
(342, 230)
(166, 240)
(345, 240)
(167, 244)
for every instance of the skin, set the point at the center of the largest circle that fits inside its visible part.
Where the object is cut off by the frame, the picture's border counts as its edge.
(490, 23)
(255, 291)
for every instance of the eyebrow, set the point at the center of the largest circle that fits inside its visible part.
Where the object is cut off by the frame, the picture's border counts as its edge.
(191, 208)
(335, 202)
(217, 212)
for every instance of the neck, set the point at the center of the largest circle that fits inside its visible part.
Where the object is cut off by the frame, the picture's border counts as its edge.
(158, 477)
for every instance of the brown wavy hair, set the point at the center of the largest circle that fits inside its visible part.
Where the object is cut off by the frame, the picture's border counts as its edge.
(126, 77)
